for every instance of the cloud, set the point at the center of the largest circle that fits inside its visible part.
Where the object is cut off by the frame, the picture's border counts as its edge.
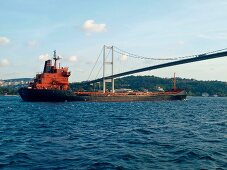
(44, 57)
(181, 42)
(80, 70)
(32, 44)
(123, 57)
(214, 35)
(4, 40)
(4, 63)
(73, 58)
(90, 26)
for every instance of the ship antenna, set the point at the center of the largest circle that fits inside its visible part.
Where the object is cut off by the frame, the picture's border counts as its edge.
(55, 58)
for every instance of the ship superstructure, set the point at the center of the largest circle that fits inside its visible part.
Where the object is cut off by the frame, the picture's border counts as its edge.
(53, 76)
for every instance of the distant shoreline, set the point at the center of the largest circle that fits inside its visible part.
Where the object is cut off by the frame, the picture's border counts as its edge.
(9, 95)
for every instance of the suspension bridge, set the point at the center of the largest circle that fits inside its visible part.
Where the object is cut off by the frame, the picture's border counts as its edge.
(168, 63)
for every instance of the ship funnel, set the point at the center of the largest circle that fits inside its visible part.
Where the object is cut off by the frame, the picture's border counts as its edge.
(47, 66)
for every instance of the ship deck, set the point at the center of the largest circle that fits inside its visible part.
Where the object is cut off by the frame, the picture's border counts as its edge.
(126, 93)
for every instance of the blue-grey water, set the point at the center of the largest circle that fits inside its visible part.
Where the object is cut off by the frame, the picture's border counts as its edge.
(188, 134)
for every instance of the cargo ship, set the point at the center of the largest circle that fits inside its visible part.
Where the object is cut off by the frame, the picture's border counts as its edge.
(52, 85)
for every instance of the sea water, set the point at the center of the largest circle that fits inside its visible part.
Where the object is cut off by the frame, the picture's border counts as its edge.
(189, 134)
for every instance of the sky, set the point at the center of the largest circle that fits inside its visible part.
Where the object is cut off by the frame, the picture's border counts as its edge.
(31, 30)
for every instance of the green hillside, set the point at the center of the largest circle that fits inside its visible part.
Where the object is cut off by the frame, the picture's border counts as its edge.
(141, 83)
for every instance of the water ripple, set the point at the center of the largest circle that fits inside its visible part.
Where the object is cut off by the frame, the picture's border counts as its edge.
(135, 135)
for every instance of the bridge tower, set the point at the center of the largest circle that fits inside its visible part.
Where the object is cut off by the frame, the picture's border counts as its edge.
(104, 67)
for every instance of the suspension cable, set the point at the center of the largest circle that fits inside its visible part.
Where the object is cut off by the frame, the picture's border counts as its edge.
(101, 65)
(122, 52)
(95, 64)
(98, 72)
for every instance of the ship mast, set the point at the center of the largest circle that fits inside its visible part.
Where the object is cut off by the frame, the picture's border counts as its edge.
(55, 59)
(174, 82)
